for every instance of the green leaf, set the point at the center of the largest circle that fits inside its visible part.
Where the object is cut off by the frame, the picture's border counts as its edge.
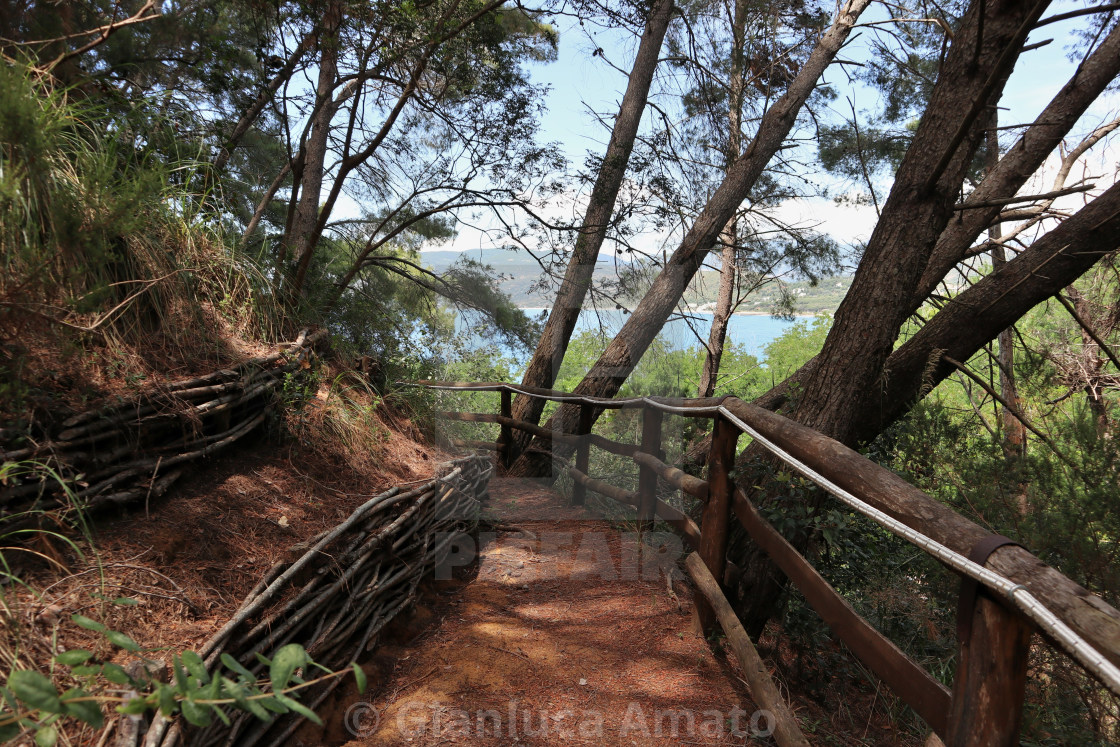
(166, 695)
(35, 690)
(85, 671)
(196, 666)
(180, 674)
(83, 710)
(9, 699)
(359, 678)
(245, 703)
(234, 665)
(274, 705)
(222, 715)
(285, 663)
(134, 707)
(116, 674)
(118, 638)
(126, 601)
(299, 708)
(196, 714)
(46, 737)
(8, 732)
(84, 622)
(73, 657)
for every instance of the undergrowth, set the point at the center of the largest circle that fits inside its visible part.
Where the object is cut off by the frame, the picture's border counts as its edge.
(109, 268)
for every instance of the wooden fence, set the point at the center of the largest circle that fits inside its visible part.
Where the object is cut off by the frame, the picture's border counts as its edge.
(1007, 593)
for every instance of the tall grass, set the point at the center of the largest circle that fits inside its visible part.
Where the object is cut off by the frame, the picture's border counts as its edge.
(104, 237)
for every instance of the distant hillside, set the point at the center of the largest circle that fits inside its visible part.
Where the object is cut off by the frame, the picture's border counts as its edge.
(824, 297)
(519, 272)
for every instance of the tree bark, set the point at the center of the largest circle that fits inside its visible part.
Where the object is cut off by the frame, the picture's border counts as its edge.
(717, 336)
(549, 354)
(626, 349)
(995, 303)
(301, 235)
(850, 367)
(1021, 161)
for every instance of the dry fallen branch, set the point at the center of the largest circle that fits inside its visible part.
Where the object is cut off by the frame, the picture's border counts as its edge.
(134, 449)
(337, 592)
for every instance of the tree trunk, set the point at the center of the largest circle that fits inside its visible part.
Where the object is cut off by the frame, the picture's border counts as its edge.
(728, 266)
(301, 236)
(995, 303)
(1014, 432)
(1021, 161)
(724, 307)
(549, 354)
(842, 393)
(626, 349)
(263, 98)
(850, 368)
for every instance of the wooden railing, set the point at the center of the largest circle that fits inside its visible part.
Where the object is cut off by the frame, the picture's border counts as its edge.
(1007, 593)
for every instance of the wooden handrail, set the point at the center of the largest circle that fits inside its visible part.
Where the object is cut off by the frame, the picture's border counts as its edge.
(928, 697)
(1089, 616)
(678, 478)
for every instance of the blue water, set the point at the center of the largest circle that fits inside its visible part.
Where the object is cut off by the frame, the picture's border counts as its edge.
(754, 332)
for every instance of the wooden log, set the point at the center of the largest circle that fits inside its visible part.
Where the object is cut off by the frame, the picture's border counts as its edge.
(671, 516)
(614, 447)
(583, 452)
(540, 431)
(605, 403)
(505, 437)
(585, 482)
(1089, 615)
(905, 677)
(987, 708)
(647, 477)
(716, 520)
(679, 479)
(763, 690)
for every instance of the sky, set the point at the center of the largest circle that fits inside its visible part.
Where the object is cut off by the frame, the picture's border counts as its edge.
(581, 83)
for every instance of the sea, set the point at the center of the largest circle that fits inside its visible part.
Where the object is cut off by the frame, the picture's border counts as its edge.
(752, 331)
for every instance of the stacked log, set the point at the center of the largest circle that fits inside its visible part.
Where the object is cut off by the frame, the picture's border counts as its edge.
(136, 448)
(336, 592)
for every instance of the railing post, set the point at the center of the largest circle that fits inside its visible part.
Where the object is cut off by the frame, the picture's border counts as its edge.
(717, 512)
(647, 478)
(505, 437)
(583, 453)
(987, 707)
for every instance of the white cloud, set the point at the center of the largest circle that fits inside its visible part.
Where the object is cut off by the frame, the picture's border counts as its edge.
(846, 223)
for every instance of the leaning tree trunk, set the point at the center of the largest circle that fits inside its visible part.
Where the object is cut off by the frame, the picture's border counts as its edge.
(626, 349)
(546, 360)
(850, 367)
(984, 204)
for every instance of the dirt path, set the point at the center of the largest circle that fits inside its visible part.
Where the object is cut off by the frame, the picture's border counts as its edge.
(569, 635)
